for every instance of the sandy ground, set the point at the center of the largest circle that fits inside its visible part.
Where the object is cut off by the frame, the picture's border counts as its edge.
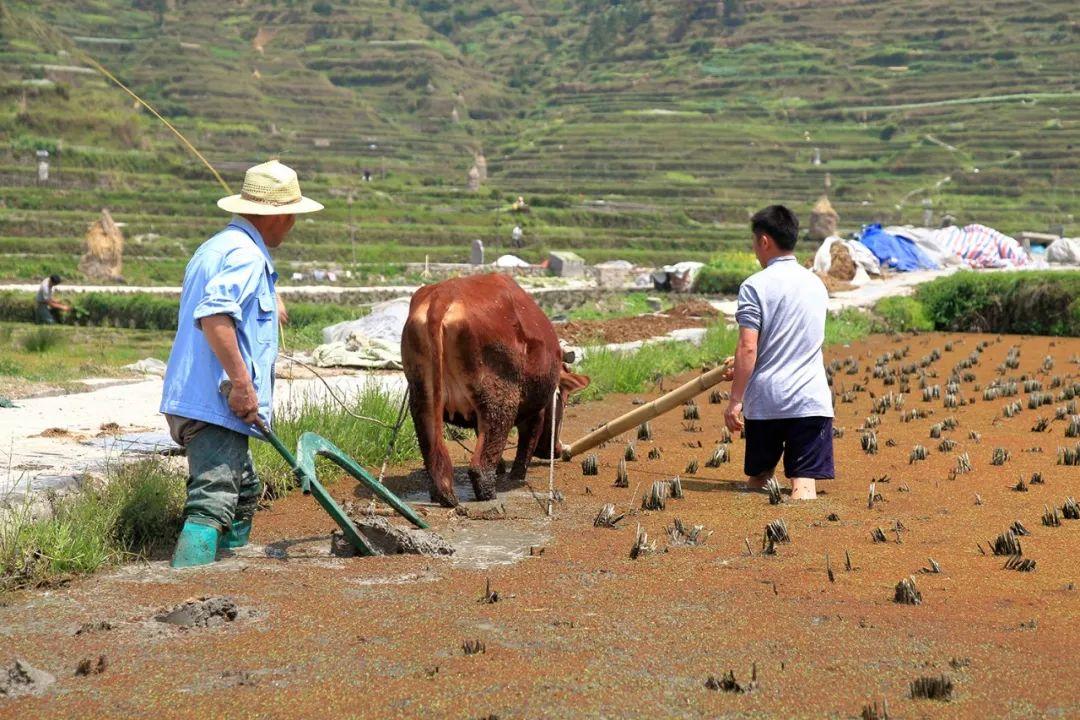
(581, 630)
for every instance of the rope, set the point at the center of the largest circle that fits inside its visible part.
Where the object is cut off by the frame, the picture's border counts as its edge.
(393, 435)
(551, 464)
(101, 69)
(333, 394)
(61, 41)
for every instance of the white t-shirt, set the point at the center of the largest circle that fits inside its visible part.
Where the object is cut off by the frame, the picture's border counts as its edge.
(44, 293)
(786, 304)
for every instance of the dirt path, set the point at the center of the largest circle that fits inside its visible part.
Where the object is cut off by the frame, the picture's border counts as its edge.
(580, 629)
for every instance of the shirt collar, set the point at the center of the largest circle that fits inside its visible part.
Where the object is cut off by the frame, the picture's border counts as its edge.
(779, 258)
(252, 232)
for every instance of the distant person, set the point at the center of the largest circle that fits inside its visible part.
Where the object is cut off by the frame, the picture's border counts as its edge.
(228, 330)
(516, 235)
(45, 304)
(780, 386)
(367, 175)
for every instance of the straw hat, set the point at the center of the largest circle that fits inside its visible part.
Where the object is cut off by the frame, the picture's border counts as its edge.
(269, 189)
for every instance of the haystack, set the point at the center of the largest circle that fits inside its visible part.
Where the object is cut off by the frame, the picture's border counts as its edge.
(842, 266)
(474, 178)
(104, 250)
(481, 166)
(823, 220)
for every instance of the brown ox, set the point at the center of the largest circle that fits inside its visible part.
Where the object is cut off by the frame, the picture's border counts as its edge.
(479, 353)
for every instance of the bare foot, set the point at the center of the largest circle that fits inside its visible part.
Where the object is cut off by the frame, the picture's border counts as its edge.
(803, 489)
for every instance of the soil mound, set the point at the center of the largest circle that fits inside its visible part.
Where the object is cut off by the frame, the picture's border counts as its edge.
(22, 678)
(204, 612)
(389, 539)
(693, 309)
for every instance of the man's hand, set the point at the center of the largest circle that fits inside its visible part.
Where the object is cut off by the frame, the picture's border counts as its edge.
(733, 416)
(244, 402)
(282, 313)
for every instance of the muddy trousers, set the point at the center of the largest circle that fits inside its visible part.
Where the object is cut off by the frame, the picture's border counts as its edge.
(222, 485)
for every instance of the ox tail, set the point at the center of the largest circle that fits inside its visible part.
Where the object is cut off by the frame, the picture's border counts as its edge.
(426, 402)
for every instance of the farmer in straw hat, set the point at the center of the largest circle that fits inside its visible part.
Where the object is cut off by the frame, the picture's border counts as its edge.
(228, 330)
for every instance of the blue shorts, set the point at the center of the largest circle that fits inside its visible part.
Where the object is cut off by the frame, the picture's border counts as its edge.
(806, 444)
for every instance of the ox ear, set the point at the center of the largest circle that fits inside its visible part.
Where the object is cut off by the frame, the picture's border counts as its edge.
(570, 382)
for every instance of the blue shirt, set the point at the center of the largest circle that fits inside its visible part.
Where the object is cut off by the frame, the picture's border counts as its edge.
(786, 304)
(230, 274)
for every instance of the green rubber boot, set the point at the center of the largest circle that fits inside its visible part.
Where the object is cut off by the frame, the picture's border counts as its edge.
(197, 545)
(237, 535)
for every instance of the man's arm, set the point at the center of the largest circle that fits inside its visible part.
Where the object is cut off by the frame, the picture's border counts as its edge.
(220, 333)
(745, 360)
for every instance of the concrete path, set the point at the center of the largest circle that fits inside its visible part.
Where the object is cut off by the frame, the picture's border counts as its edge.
(48, 442)
(868, 294)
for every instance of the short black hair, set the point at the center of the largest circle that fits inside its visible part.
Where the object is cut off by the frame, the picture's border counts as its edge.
(777, 222)
(55, 279)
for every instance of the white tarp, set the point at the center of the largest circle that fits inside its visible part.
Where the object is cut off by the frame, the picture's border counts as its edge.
(681, 275)
(929, 241)
(385, 322)
(976, 246)
(1065, 251)
(359, 351)
(510, 261)
(865, 262)
(147, 366)
(373, 341)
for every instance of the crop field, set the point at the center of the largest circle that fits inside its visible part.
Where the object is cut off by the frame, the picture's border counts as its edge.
(552, 617)
(641, 130)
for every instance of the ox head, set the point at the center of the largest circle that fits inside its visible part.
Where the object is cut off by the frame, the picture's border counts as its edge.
(569, 383)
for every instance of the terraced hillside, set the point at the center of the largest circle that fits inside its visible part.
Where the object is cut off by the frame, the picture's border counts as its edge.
(643, 130)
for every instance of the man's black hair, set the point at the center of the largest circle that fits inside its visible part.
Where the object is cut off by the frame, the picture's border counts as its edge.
(55, 279)
(777, 222)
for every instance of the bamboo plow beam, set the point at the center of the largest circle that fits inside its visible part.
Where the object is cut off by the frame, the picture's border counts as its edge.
(657, 407)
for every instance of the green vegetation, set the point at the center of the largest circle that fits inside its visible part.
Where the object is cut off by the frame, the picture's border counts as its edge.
(146, 311)
(1036, 303)
(639, 129)
(136, 513)
(361, 439)
(42, 340)
(848, 326)
(902, 314)
(616, 372)
(616, 305)
(73, 353)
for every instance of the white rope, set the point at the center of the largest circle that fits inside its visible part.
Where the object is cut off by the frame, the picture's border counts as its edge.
(551, 466)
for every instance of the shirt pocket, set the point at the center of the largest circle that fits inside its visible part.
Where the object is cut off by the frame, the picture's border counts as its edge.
(264, 320)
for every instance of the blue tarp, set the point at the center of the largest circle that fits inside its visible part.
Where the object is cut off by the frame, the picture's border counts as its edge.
(895, 252)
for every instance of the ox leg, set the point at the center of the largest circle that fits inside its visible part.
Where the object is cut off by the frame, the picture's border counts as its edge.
(427, 416)
(529, 432)
(490, 444)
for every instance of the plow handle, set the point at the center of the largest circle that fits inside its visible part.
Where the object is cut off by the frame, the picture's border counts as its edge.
(657, 407)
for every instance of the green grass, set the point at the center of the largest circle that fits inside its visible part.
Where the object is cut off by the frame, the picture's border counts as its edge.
(136, 512)
(43, 339)
(73, 353)
(902, 314)
(848, 326)
(620, 372)
(618, 305)
(362, 440)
